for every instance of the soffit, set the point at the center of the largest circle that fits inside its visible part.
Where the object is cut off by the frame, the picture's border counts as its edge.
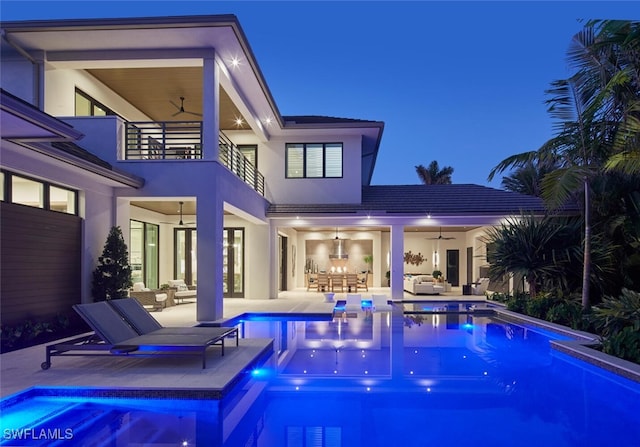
(167, 207)
(153, 90)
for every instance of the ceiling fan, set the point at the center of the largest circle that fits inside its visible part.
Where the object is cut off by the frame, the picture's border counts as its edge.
(181, 108)
(441, 237)
(181, 223)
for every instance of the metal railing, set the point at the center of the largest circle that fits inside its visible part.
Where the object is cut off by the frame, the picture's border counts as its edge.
(179, 140)
(237, 163)
(163, 140)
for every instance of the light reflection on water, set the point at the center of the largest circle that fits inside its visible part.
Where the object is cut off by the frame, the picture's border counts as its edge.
(382, 379)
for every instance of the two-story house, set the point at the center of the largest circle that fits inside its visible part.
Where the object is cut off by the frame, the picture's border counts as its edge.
(156, 124)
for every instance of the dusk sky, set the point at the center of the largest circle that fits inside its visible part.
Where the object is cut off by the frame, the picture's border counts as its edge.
(458, 82)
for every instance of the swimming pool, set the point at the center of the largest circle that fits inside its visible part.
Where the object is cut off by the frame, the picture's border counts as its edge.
(423, 377)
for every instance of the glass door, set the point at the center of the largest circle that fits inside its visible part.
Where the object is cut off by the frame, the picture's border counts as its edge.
(233, 262)
(186, 255)
(143, 252)
(151, 264)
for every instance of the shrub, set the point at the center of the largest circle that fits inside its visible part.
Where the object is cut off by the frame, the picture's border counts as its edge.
(617, 321)
(567, 312)
(30, 332)
(518, 302)
(499, 297)
(539, 306)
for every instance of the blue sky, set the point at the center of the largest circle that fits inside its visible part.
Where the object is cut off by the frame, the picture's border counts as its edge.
(458, 82)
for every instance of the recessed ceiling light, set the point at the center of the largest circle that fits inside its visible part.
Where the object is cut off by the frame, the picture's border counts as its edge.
(235, 62)
(239, 122)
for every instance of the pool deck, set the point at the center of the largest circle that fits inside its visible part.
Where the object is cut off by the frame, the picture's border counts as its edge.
(170, 377)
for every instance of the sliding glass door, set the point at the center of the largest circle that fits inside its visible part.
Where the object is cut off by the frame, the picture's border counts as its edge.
(233, 262)
(186, 255)
(143, 252)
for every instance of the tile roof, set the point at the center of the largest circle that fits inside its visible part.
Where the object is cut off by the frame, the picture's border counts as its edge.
(455, 199)
(73, 149)
(318, 119)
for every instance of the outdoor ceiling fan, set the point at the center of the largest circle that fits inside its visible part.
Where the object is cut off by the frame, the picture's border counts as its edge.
(181, 108)
(441, 237)
(181, 223)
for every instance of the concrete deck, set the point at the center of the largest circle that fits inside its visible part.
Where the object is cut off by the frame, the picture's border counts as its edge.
(20, 370)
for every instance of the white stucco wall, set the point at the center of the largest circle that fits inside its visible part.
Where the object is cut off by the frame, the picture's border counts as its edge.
(60, 85)
(309, 190)
(19, 77)
(256, 256)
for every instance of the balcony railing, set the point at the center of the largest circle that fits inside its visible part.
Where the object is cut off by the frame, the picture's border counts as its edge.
(237, 163)
(178, 140)
(163, 140)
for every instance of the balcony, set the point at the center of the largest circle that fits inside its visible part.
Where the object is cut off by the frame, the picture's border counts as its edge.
(237, 163)
(181, 140)
(163, 140)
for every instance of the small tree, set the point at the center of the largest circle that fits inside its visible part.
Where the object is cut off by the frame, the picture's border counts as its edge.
(112, 277)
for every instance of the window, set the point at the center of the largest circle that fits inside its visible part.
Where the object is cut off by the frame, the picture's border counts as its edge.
(250, 152)
(27, 192)
(85, 105)
(62, 200)
(314, 160)
(38, 194)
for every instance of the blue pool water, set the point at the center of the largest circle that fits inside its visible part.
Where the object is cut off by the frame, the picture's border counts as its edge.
(368, 379)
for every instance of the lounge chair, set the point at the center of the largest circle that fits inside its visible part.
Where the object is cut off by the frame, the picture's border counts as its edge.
(115, 337)
(354, 302)
(143, 323)
(379, 302)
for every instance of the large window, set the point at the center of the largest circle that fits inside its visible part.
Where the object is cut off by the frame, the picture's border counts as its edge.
(85, 105)
(314, 160)
(38, 194)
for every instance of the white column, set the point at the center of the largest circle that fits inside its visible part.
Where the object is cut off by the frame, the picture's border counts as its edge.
(210, 107)
(397, 262)
(210, 231)
(273, 260)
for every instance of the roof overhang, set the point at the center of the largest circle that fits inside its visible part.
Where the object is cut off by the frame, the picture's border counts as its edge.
(83, 40)
(25, 127)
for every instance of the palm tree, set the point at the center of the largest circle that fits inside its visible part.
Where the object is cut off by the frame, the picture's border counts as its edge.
(539, 249)
(433, 175)
(527, 179)
(589, 109)
(622, 41)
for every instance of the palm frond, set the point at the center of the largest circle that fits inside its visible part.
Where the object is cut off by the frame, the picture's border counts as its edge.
(562, 184)
(513, 161)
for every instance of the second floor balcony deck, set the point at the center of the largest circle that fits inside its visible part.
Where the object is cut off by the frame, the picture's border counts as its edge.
(182, 140)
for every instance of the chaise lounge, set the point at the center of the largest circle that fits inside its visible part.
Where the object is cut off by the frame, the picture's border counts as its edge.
(143, 323)
(116, 337)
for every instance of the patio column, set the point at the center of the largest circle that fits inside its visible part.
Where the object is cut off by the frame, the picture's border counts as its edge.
(397, 262)
(210, 256)
(210, 107)
(273, 261)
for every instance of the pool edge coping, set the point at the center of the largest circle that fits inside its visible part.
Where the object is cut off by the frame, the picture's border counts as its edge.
(581, 347)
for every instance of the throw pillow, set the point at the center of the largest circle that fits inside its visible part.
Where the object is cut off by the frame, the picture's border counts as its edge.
(182, 288)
